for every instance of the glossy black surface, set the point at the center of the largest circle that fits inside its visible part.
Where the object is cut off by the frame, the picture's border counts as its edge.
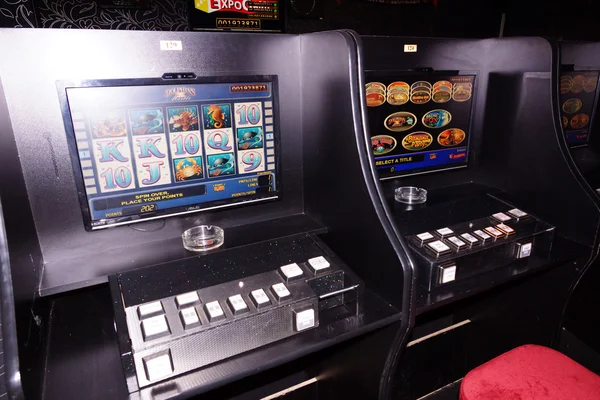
(171, 249)
(83, 346)
(153, 283)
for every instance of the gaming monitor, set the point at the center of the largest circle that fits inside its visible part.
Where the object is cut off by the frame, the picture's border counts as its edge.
(150, 148)
(419, 122)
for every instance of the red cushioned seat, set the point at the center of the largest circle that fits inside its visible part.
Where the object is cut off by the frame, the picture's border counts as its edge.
(531, 373)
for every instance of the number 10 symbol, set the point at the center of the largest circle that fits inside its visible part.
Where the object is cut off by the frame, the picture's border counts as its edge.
(248, 114)
(252, 160)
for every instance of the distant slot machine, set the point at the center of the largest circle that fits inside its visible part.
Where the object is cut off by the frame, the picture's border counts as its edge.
(578, 100)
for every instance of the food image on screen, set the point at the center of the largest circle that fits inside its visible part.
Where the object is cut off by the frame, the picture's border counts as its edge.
(436, 119)
(578, 92)
(417, 141)
(400, 121)
(420, 135)
(376, 94)
(397, 97)
(375, 99)
(580, 121)
(572, 106)
(153, 150)
(451, 137)
(383, 144)
(590, 84)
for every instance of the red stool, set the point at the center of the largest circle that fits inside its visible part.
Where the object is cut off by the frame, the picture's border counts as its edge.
(530, 373)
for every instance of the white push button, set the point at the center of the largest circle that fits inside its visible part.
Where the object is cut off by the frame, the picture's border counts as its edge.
(154, 327)
(260, 298)
(506, 229)
(445, 232)
(524, 249)
(189, 317)
(186, 299)
(150, 309)
(472, 240)
(447, 274)
(318, 264)
(515, 212)
(456, 243)
(158, 367)
(237, 304)
(438, 247)
(425, 236)
(291, 272)
(482, 235)
(494, 232)
(501, 217)
(280, 291)
(214, 311)
(305, 320)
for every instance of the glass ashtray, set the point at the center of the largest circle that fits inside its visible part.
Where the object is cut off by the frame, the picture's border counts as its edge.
(203, 238)
(410, 195)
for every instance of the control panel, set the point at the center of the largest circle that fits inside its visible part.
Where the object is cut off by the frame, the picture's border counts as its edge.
(457, 252)
(172, 335)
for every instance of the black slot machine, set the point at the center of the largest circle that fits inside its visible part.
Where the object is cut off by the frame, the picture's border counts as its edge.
(473, 169)
(578, 102)
(116, 143)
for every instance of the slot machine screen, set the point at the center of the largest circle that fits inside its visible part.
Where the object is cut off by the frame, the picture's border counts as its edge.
(419, 122)
(578, 97)
(146, 149)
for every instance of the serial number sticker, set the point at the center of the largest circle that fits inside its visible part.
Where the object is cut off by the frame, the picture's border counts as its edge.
(171, 45)
(238, 23)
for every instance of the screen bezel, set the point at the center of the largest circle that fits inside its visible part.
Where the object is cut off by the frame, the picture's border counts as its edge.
(370, 75)
(63, 85)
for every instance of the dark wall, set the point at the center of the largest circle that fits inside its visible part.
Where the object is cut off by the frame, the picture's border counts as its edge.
(164, 15)
(573, 19)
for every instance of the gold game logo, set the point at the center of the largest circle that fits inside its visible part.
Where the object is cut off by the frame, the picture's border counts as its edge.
(180, 93)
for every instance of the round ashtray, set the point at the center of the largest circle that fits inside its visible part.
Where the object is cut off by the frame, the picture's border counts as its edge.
(410, 195)
(203, 238)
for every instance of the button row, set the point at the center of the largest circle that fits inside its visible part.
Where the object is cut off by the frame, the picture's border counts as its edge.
(157, 325)
(465, 240)
(293, 272)
(290, 273)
